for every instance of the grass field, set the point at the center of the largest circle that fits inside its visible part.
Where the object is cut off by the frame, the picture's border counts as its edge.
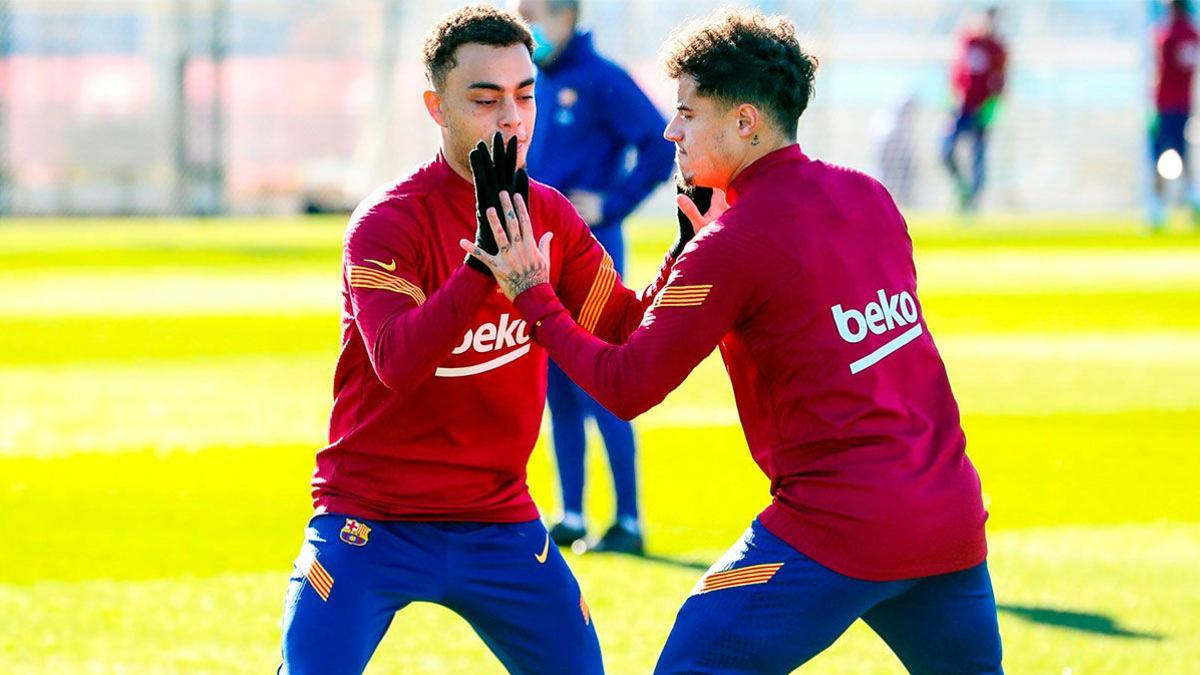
(163, 386)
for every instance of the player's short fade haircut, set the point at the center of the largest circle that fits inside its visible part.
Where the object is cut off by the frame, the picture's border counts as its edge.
(744, 56)
(473, 24)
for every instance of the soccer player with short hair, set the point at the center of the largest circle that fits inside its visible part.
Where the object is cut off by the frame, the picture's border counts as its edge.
(421, 493)
(977, 78)
(807, 285)
(1177, 51)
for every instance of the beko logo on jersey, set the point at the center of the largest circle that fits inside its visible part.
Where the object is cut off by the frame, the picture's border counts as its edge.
(889, 313)
(492, 337)
(489, 338)
(878, 317)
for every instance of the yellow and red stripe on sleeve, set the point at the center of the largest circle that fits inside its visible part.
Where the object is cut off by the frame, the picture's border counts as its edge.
(683, 296)
(597, 297)
(365, 277)
(742, 576)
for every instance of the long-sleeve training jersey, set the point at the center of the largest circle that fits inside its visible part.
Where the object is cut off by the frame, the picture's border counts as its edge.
(808, 286)
(438, 392)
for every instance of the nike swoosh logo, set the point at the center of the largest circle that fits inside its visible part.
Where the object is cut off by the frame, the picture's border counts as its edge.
(545, 551)
(391, 267)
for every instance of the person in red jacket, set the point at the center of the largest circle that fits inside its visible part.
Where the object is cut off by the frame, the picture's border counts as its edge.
(1177, 50)
(421, 493)
(806, 284)
(977, 78)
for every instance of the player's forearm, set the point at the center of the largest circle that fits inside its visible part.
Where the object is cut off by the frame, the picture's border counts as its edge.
(411, 343)
(627, 379)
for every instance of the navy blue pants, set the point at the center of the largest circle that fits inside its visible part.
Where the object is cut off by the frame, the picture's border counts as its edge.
(767, 608)
(506, 579)
(967, 125)
(570, 407)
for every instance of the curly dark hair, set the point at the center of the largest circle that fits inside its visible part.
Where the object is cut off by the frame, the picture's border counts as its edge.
(473, 24)
(743, 56)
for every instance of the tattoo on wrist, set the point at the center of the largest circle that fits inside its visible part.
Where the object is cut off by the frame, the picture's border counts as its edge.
(520, 282)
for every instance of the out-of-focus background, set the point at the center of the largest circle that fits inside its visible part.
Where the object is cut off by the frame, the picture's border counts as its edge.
(185, 107)
(169, 321)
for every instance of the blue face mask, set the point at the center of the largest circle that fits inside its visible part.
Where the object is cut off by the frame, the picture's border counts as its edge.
(543, 48)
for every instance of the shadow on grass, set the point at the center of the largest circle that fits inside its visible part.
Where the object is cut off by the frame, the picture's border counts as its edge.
(1081, 621)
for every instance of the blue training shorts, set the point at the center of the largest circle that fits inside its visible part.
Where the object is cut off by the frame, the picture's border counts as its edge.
(507, 580)
(767, 608)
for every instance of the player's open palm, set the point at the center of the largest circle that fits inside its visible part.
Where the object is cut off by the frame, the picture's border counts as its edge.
(520, 263)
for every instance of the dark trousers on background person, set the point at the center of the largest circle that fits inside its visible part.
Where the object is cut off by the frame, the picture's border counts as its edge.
(570, 407)
(967, 125)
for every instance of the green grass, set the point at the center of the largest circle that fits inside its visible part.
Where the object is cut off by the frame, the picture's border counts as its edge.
(163, 386)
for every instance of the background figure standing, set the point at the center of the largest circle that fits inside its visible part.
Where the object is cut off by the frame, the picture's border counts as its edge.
(1176, 43)
(977, 78)
(590, 114)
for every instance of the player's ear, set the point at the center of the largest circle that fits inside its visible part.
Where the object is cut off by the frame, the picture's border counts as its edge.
(748, 120)
(433, 104)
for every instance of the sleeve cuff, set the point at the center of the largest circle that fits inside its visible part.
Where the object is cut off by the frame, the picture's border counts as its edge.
(537, 303)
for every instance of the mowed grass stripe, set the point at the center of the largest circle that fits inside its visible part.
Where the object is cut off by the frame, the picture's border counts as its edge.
(170, 405)
(38, 246)
(172, 293)
(167, 258)
(83, 340)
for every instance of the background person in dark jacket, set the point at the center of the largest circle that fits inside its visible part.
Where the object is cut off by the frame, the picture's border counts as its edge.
(590, 115)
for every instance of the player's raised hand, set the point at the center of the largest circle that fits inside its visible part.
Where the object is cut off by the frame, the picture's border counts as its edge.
(492, 173)
(520, 263)
(695, 208)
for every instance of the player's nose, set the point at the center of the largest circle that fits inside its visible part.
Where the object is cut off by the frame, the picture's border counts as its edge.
(672, 132)
(510, 118)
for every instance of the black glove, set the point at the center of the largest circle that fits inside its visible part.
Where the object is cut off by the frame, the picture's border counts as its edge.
(702, 198)
(492, 175)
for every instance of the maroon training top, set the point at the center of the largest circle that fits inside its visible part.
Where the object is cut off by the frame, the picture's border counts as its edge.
(1178, 47)
(438, 392)
(807, 284)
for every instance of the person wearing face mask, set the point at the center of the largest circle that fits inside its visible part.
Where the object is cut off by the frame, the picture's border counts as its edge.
(590, 115)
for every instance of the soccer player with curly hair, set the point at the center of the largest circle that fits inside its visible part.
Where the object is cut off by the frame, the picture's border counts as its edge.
(803, 276)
